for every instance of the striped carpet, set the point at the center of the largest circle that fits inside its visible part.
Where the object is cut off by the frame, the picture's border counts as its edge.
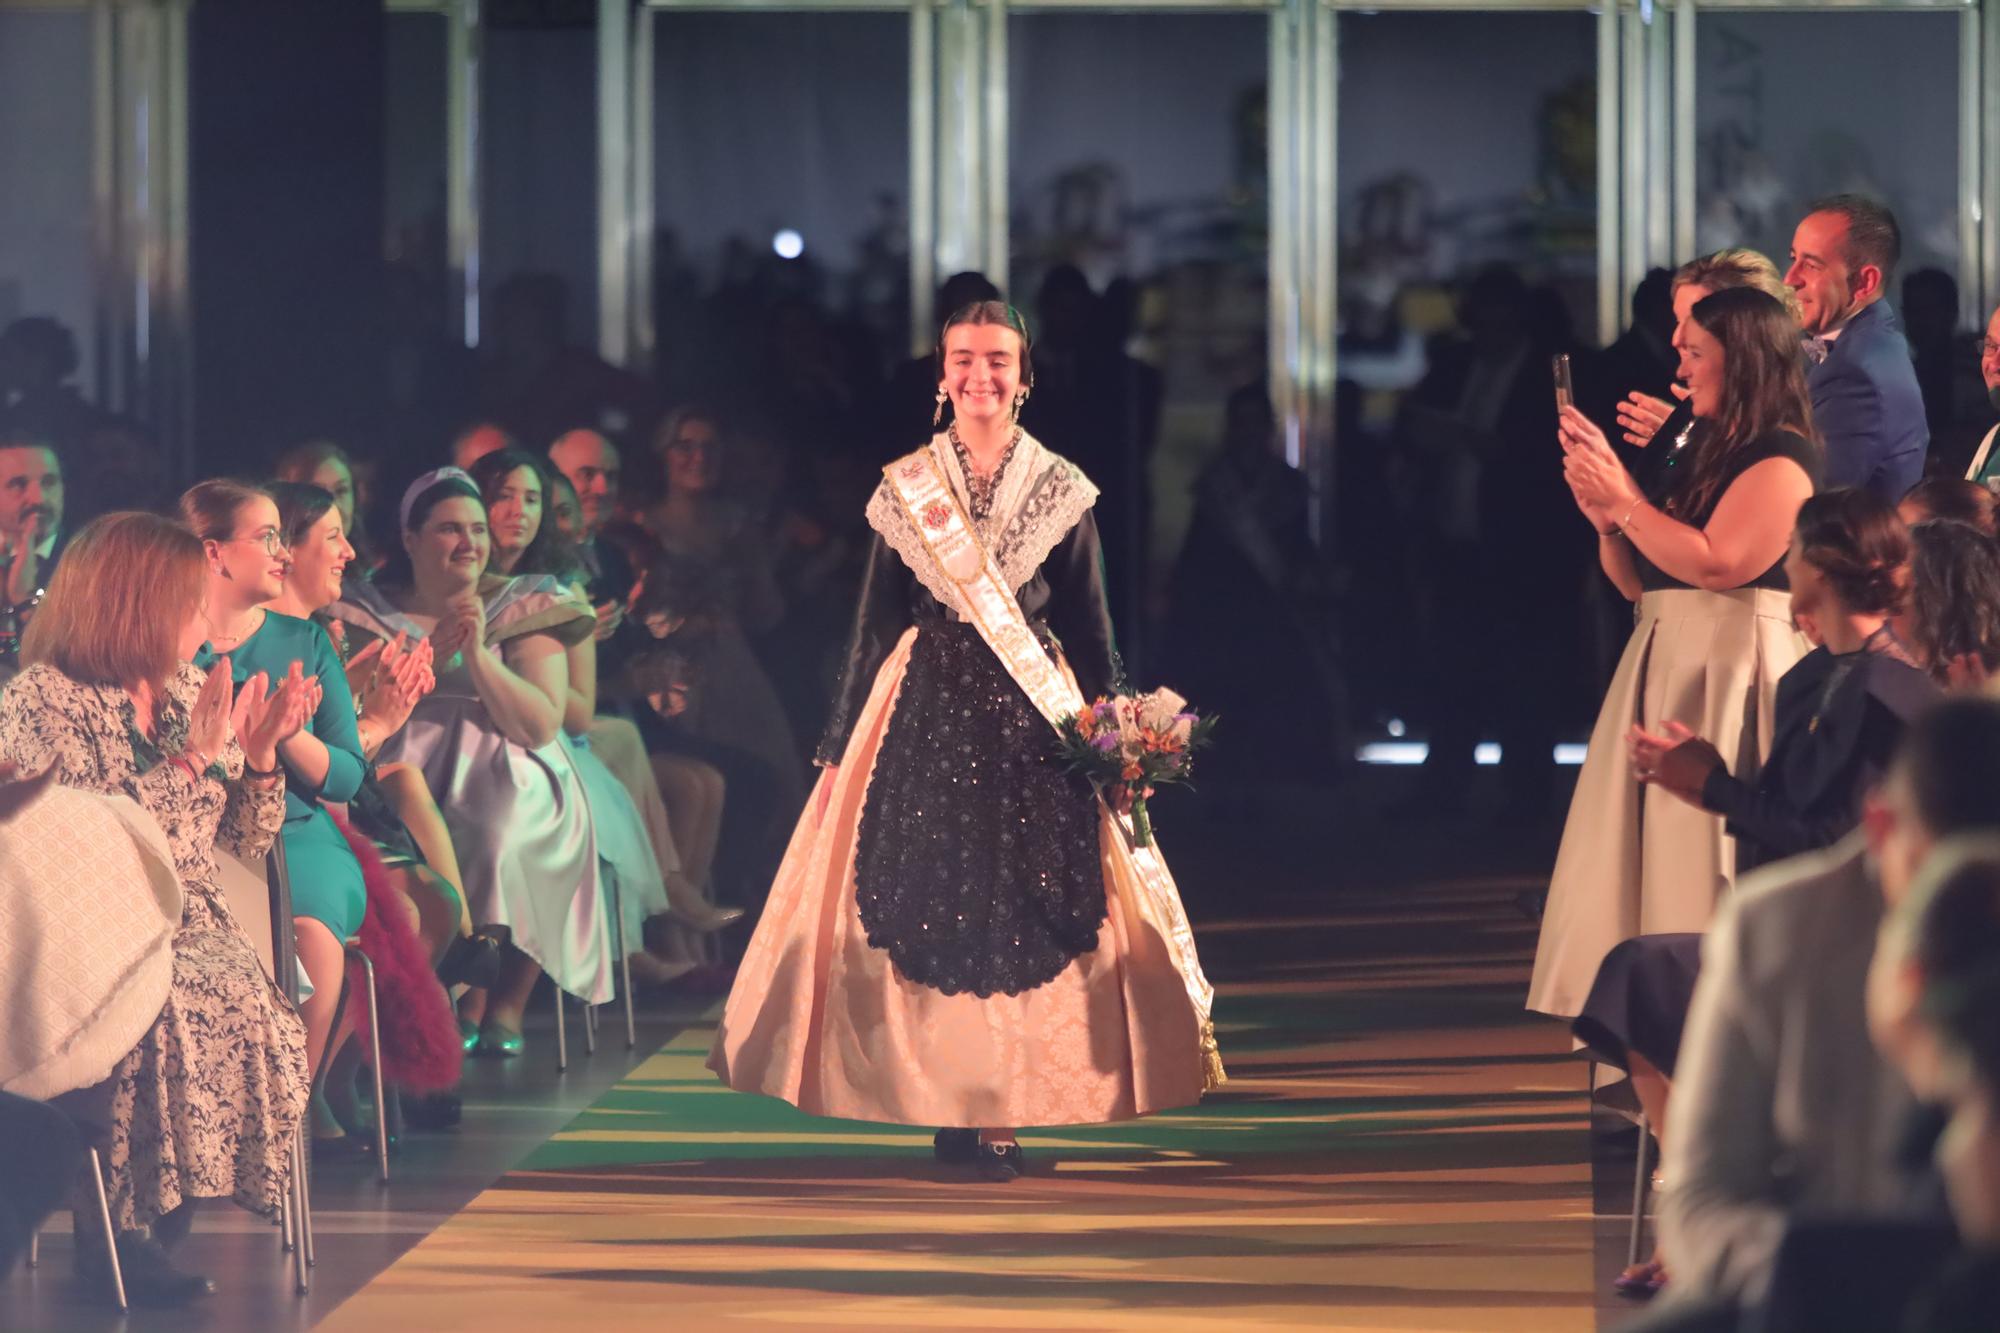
(1400, 1147)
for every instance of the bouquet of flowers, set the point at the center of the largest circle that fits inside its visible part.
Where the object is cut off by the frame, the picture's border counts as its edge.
(1128, 744)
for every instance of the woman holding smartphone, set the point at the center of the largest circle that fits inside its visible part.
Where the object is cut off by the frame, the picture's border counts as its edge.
(1703, 557)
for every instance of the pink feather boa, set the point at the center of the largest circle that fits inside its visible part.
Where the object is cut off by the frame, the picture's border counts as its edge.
(420, 1043)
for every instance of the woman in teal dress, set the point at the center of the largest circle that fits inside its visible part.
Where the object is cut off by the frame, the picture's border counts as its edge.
(239, 530)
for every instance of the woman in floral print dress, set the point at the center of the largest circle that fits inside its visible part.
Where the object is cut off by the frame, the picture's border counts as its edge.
(205, 1106)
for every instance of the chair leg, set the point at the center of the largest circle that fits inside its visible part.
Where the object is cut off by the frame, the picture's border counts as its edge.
(110, 1233)
(301, 1209)
(375, 1068)
(624, 961)
(562, 1030)
(285, 1210)
(589, 1028)
(1640, 1176)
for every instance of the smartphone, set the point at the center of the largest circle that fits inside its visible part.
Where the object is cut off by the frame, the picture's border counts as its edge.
(1565, 391)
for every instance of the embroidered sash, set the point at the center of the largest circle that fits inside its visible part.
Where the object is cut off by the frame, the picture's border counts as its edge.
(983, 599)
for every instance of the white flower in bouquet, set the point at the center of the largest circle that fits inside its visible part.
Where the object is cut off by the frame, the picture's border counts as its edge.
(1160, 711)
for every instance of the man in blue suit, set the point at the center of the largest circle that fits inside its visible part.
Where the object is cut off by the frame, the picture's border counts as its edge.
(1867, 407)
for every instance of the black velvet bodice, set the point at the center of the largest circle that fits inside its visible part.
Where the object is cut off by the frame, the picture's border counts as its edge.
(1064, 602)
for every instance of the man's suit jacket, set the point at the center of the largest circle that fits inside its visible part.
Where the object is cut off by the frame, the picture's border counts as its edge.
(1782, 1107)
(1868, 408)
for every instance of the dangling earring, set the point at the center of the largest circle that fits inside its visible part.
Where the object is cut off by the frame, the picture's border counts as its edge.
(937, 416)
(1020, 401)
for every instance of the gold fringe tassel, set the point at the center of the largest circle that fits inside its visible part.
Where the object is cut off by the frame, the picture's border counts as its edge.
(1213, 1075)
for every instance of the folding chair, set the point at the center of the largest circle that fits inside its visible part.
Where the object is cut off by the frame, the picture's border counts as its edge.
(590, 1010)
(110, 1233)
(1642, 1175)
(295, 1215)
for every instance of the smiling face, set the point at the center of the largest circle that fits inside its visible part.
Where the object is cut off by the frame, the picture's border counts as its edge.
(320, 561)
(449, 551)
(516, 513)
(1819, 274)
(1701, 368)
(251, 561)
(982, 371)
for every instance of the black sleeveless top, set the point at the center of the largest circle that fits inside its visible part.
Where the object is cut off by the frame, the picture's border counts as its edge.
(1673, 479)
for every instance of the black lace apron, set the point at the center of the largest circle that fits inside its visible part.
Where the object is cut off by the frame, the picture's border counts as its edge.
(977, 865)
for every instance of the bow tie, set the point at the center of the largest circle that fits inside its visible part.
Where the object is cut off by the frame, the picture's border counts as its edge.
(1817, 348)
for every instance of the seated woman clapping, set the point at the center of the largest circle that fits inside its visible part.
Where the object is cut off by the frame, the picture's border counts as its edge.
(487, 741)
(205, 1106)
(413, 914)
(247, 562)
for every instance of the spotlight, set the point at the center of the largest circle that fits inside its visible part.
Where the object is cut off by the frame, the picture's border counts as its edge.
(788, 244)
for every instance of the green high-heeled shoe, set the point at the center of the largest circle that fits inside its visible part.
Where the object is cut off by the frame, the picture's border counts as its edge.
(468, 1035)
(496, 1042)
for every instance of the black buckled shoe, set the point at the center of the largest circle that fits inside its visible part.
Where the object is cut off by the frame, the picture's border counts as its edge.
(956, 1147)
(1001, 1163)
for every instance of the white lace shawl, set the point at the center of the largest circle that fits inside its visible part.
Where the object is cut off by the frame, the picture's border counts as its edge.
(1037, 500)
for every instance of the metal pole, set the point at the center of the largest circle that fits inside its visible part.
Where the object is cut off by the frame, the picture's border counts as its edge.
(997, 132)
(463, 53)
(614, 183)
(1989, 120)
(1322, 262)
(1632, 160)
(1280, 166)
(1610, 296)
(923, 175)
(641, 241)
(1971, 162)
(1684, 132)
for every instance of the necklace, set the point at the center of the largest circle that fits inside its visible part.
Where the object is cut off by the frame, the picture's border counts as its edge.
(224, 642)
(980, 490)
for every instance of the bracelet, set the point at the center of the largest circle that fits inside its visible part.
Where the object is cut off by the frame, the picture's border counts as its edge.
(258, 774)
(1628, 513)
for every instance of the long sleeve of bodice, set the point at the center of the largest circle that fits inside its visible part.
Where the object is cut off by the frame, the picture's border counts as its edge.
(253, 813)
(1078, 611)
(335, 725)
(881, 614)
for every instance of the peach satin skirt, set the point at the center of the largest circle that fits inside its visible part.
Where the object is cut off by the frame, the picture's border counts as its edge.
(823, 1020)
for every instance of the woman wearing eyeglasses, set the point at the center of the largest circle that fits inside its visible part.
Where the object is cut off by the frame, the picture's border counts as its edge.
(240, 534)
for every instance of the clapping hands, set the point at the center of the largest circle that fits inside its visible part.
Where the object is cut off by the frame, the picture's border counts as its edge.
(462, 628)
(262, 720)
(1600, 483)
(1680, 762)
(1641, 415)
(259, 716)
(388, 678)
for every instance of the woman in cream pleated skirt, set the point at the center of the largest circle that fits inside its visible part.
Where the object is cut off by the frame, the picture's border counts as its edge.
(1636, 860)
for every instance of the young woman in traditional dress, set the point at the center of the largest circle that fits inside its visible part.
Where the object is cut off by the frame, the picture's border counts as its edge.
(961, 933)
